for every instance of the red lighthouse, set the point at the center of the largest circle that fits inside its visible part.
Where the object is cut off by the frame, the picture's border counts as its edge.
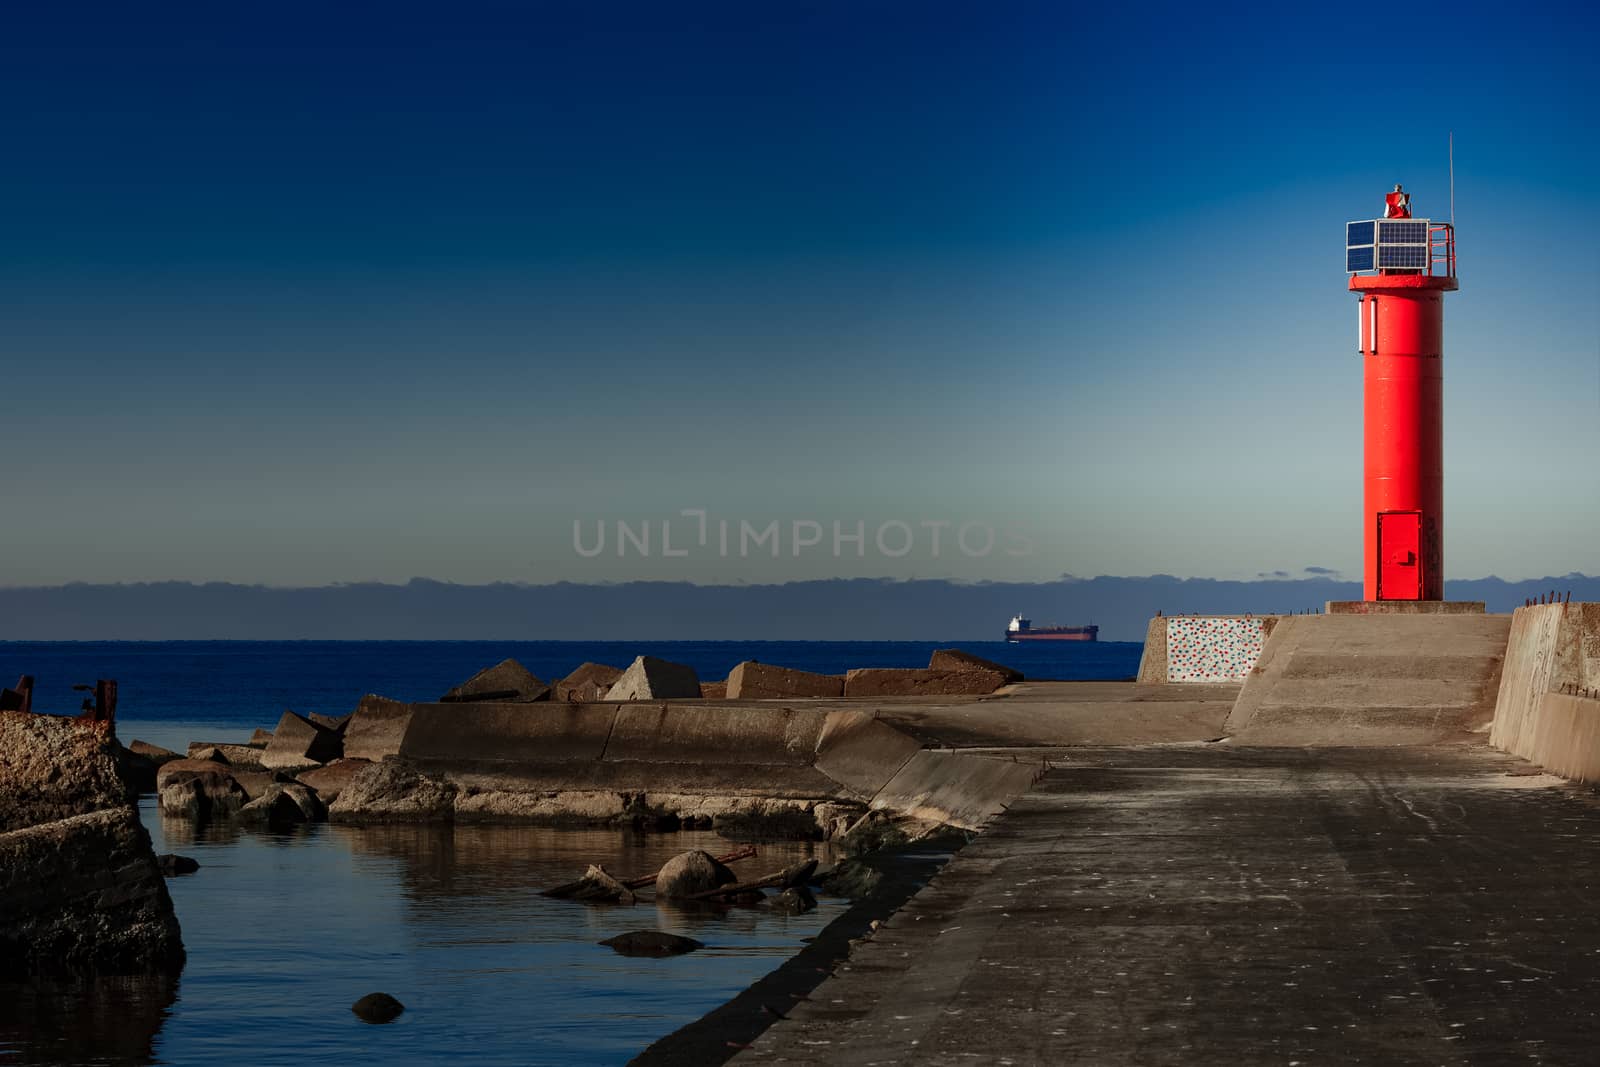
(1401, 268)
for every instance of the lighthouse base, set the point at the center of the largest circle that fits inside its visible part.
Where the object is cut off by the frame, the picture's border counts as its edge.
(1405, 607)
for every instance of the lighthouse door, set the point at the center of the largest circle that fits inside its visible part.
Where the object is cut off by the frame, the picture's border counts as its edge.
(1399, 555)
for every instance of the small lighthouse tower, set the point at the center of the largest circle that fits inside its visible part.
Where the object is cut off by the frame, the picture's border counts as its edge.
(1400, 268)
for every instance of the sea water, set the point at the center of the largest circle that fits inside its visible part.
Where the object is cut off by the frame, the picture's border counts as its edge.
(285, 930)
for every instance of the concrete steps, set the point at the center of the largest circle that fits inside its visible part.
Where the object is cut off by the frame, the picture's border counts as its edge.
(1372, 680)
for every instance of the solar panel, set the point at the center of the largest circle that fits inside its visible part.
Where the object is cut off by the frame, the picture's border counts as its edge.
(1402, 232)
(1387, 244)
(1403, 257)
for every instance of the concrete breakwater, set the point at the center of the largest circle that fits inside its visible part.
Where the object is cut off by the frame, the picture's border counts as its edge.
(797, 756)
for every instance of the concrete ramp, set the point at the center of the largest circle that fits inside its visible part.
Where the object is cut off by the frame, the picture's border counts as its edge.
(1372, 680)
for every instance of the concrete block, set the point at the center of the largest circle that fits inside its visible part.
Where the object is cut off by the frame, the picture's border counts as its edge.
(650, 678)
(260, 738)
(703, 735)
(713, 690)
(501, 733)
(896, 682)
(954, 659)
(861, 752)
(941, 786)
(751, 680)
(155, 753)
(237, 755)
(1153, 660)
(506, 682)
(336, 723)
(377, 728)
(1565, 738)
(588, 684)
(297, 741)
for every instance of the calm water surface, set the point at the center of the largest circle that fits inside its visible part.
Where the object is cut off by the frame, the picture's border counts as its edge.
(286, 930)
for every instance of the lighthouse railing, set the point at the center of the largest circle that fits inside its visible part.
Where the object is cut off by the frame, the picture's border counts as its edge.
(1442, 249)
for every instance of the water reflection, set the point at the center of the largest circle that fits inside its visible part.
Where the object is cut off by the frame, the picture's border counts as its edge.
(106, 1021)
(285, 929)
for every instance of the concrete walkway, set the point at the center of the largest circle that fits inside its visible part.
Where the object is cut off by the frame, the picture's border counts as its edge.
(1206, 904)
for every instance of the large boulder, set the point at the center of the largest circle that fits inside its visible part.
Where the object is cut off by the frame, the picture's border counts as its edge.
(199, 789)
(393, 790)
(895, 682)
(588, 684)
(298, 742)
(953, 659)
(81, 892)
(689, 873)
(82, 896)
(751, 680)
(506, 682)
(650, 678)
(283, 804)
(53, 768)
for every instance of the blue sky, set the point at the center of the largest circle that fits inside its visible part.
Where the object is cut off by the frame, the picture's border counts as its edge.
(313, 293)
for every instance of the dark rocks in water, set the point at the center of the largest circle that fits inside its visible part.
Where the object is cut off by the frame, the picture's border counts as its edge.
(507, 681)
(872, 833)
(199, 789)
(598, 887)
(689, 873)
(749, 898)
(649, 678)
(81, 892)
(377, 1008)
(652, 943)
(851, 878)
(173, 864)
(794, 901)
(769, 824)
(284, 804)
(798, 874)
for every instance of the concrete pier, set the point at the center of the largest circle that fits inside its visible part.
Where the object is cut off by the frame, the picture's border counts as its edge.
(1328, 864)
(1206, 904)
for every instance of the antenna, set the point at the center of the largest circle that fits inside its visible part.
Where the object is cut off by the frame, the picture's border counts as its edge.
(1452, 178)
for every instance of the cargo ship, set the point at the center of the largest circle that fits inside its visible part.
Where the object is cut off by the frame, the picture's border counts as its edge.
(1023, 630)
